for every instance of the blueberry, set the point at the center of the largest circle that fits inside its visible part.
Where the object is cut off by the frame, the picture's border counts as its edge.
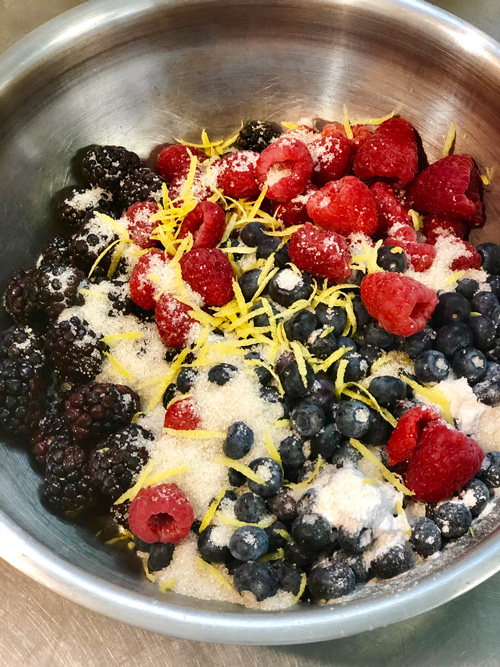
(492, 372)
(392, 561)
(276, 534)
(357, 367)
(170, 393)
(325, 442)
(286, 287)
(452, 307)
(186, 379)
(160, 555)
(332, 317)
(484, 302)
(248, 543)
(249, 508)
(467, 287)
(483, 330)
(236, 478)
(270, 472)
(417, 343)
(300, 326)
(489, 472)
(387, 390)
(307, 501)
(298, 554)
(356, 277)
(353, 418)
(222, 373)
(239, 440)
(292, 452)
(490, 253)
(379, 432)
(452, 337)
(355, 543)
(403, 406)
(289, 576)
(347, 342)
(322, 344)
(253, 233)
(392, 258)
(248, 283)
(212, 548)
(425, 536)
(494, 283)
(488, 392)
(495, 318)
(312, 530)
(378, 336)
(262, 319)
(493, 354)
(431, 366)
(283, 506)
(475, 495)
(453, 519)
(270, 245)
(264, 374)
(345, 455)
(307, 419)
(271, 395)
(470, 364)
(322, 393)
(363, 317)
(370, 353)
(140, 545)
(331, 579)
(258, 578)
(357, 564)
(292, 381)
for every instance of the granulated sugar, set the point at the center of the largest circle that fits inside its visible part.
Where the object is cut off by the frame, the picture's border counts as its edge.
(87, 199)
(288, 279)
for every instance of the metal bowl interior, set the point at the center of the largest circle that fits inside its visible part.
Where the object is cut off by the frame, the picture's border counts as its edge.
(141, 72)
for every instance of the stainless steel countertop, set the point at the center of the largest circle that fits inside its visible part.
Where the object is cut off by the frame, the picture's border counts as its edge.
(37, 627)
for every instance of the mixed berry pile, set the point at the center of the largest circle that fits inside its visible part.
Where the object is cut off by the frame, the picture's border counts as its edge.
(273, 360)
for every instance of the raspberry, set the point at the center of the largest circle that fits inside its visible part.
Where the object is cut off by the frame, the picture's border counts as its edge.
(344, 206)
(161, 513)
(422, 255)
(361, 134)
(199, 190)
(390, 153)
(407, 433)
(182, 416)
(320, 252)
(443, 461)
(142, 289)
(236, 174)
(449, 187)
(331, 156)
(206, 222)
(208, 272)
(402, 234)
(173, 321)
(470, 259)
(174, 161)
(139, 223)
(401, 304)
(389, 210)
(286, 167)
(440, 225)
(294, 212)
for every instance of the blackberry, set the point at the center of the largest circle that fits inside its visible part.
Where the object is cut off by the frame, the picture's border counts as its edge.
(76, 351)
(57, 251)
(22, 343)
(51, 427)
(140, 185)
(16, 296)
(89, 243)
(22, 396)
(55, 287)
(99, 408)
(106, 166)
(115, 463)
(81, 201)
(119, 513)
(67, 486)
(122, 304)
(256, 135)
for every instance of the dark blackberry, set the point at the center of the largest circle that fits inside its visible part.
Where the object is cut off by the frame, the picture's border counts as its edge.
(115, 463)
(81, 201)
(50, 428)
(99, 408)
(22, 343)
(57, 251)
(119, 513)
(16, 296)
(89, 243)
(22, 396)
(256, 135)
(122, 304)
(55, 287)
(140, 185)
(67, 486)
(76, 351)
(106, 166)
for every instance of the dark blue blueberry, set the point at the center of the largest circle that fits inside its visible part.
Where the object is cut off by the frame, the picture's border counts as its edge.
(253, 233)
(292, 382)
(494, 283)
(283, 505)
(494, 353)
(331, 579)
(258, 578)
(469, 363)
(236, 478)
(452, 307)
(414, 345)
(271, 395)
(270, 245)
(475, 495)
(186, 379)
(332, 317)
(140, 545)
(263, 373)
(289, 576)
(379, 432)
(160, 555)
(425, 536)
(322, 393)
(248, 283)
(312, 530)
(356, 277)
(299, 554)
(325, 442)
(490, 253)
(357, 367)
(249, 508)
(355, 543)
(307, 419)
(431, 366)
(392, 261)
(275, 533)
(492, 372)
(357, 564)
(484, 302)
(291, 452)
(363, 317)
(403, 406)
(483, 330)
(248, 543)
(307, 501)
(353, 418)
(489, 472)
(322, 346)
(270, 471)
(262, 319)
(286, 287)
(300, 326)
(378, 336)
(347, 342)
(210, 548)
(239, 440)
(170, 393)
(370, 353)
(453, 519)
(467, 287)
(495, 318)
(346, 455)
(488, 390)
(392, 561)
(452, 337)
(222, 373)
(387, 390)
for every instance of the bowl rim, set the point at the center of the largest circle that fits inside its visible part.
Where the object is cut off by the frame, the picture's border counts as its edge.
(265, 628)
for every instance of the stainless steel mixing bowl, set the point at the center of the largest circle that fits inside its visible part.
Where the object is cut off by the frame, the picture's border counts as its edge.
(140, 72)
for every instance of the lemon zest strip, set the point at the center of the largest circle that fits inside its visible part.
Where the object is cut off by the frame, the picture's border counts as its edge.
(131, 493)
(434, 395)
(388, 475)
(119, 367)
(209, 514)
(203, 565)
(240, 467)
(195, 434)
(450, 138)
(347, 124)
(122, 336)
(319, 464)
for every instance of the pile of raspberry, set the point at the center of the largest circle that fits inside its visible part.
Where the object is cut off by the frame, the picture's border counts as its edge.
(332, 188)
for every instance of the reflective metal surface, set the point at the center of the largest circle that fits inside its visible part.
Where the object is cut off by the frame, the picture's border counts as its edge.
(141, 72)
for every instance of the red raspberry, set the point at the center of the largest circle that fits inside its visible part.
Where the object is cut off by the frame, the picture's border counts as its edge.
(139, 223)
(401, 304)
(294, 212)
(449, 187)
(440, 225)
(200, 191)
(206, 222)
(286, 166)
(469, 259)
(236, 174)
(320, 252)
(443, 461)
(401, 233)
(173, 321)
(209, 272)
(389, 209)
(174, 161)
(422, 255)
(344, 206)
(331, 157)
(390, 153)
(160, 513)
(361, 134)
(142, 289)
(182, 416)
(408, 430)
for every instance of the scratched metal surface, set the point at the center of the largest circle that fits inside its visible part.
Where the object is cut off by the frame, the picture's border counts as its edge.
(37, 627)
